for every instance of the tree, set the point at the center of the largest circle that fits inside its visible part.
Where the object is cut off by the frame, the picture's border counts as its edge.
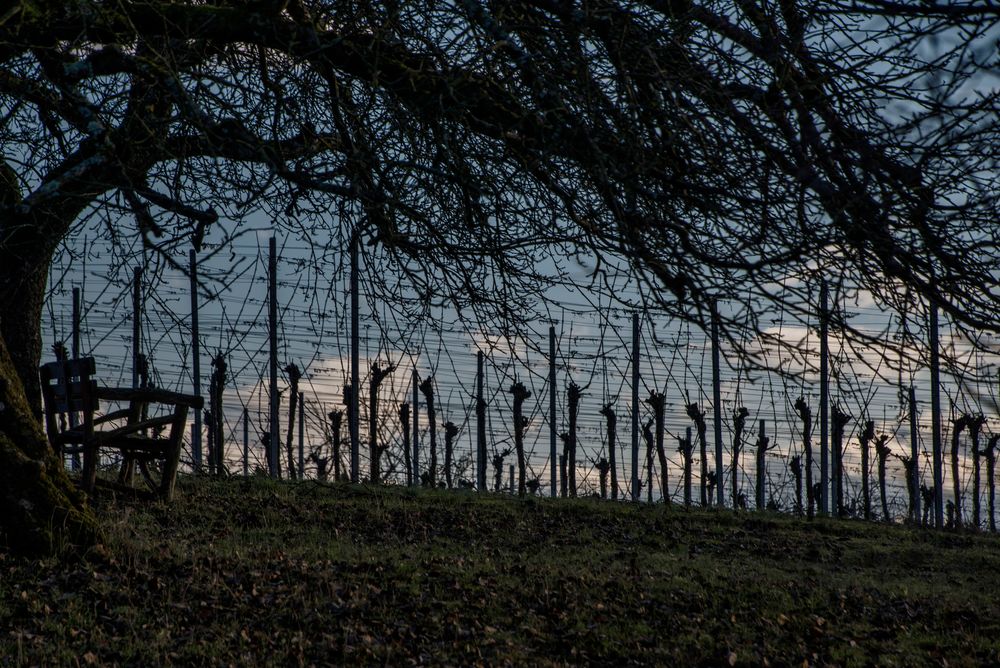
(706, 150)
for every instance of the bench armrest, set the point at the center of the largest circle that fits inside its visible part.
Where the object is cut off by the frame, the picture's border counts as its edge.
(151, 395)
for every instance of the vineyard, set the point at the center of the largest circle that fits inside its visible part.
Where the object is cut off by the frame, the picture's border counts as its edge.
(442, 395)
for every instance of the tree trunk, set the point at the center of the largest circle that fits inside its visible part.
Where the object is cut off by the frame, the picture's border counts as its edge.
(41, 511)
(22, 294)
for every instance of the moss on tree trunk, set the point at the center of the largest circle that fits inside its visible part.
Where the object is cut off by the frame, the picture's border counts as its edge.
(41, 511)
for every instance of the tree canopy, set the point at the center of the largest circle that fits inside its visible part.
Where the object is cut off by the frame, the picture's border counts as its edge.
(716, 150)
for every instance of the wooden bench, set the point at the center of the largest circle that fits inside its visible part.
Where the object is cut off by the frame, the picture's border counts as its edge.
(72, 403)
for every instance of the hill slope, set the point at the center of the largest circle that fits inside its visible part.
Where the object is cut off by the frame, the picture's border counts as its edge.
(252, 572)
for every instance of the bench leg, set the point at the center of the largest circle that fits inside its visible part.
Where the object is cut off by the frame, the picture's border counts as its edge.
(89, 477)
(172, 460)
(126, 475)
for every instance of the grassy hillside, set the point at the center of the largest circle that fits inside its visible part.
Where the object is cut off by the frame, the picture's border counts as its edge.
(256, 572)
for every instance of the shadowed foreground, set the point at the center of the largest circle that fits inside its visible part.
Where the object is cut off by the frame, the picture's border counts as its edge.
(260, 572)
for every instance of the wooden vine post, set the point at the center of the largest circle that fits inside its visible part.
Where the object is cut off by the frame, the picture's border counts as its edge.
(938, 454)
(739, 425)
(913, 472)
(348, 400)
(520, 393)
(404, 421)
(635, 407)
(217, 387)
(195, 353)
(717, 408)
(563, 458)
(355, 406)
(573, 394)
(136, 324)
(302, 435)
(553, 430)
(824, 401)
(805, 414)
(209, 441)
(415, 377)
(866, 437)
(839, 420)
(480, 422)
(698, 416)
(293, 401)
(273, 446)
(611, 421)
(375, 448)
(246, 442)
(882, 452)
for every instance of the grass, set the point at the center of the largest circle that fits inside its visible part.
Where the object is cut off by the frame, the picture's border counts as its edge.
(262, 573)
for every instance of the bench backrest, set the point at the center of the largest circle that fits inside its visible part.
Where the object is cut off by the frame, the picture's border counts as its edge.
(69, 390)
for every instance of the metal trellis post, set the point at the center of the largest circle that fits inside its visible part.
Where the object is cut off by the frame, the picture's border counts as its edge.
(416, 427)
(936, 418)
(635, 407)
(195, 361)
(717, 408)
(824, 400)
(136, 323)
(272, 322)
(553, 454)
(355, 364)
